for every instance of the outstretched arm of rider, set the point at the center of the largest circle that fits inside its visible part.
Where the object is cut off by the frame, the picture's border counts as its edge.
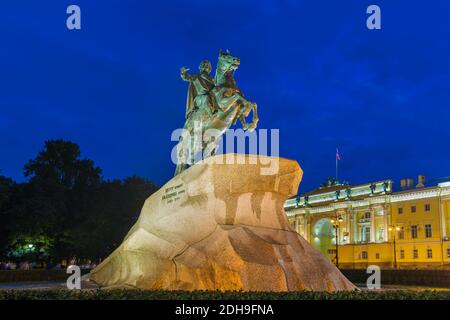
(184, 75)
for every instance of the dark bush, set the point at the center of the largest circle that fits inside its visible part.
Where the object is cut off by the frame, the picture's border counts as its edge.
(130, 294)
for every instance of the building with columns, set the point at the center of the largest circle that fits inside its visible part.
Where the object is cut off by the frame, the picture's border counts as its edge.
(373, 225)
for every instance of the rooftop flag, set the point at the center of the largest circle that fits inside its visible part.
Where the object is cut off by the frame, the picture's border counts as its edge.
(338, 158)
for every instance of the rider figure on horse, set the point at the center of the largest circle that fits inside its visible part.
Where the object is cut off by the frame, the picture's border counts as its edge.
(199, 92)
(213, 106)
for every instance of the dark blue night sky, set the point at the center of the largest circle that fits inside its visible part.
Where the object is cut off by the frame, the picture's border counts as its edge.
(315, 70)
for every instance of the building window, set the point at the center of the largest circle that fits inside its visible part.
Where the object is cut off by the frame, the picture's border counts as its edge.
(448, 252)
(427, 207)
(415, 254)
(429, 253)
(365, 234)
(364, 255)
(401, 233)
(367, 215)
(413, 209)
(414, 232)
(399, 210)
(377, 256)
(428, 231)
(402, 254)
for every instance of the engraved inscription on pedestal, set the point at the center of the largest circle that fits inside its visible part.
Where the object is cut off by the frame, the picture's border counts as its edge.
(173, 194)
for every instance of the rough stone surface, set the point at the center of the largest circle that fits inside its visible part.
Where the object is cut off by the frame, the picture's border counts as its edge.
(221, 227)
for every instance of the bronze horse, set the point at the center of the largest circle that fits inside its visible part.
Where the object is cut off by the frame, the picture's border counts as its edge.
(231, 106)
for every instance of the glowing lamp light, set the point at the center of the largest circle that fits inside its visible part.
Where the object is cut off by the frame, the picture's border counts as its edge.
(30, 246)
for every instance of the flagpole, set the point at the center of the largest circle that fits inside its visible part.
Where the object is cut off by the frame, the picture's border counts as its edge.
(338, 158)
(336, 168)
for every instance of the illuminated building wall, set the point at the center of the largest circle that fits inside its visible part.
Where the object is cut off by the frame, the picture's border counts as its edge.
(370, 218)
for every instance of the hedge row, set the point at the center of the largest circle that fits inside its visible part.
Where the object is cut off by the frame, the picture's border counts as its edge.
(132, 294)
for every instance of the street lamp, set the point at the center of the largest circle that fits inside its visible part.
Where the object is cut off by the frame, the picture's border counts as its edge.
(397, 228)
(335, 224)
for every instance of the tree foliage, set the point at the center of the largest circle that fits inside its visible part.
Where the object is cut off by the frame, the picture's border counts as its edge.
(65, 209)
(6, 189)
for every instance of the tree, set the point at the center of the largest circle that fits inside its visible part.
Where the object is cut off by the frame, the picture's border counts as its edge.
(114, 208)
(65, 209)
(59, 163)
(55, 196)
(7, 186)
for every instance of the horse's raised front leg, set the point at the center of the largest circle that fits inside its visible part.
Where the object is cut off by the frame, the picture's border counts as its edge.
(245, 112)
(225, 101)
(255, 119)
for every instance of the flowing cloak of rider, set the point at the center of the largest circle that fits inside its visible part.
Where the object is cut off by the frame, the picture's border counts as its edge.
(199, 91)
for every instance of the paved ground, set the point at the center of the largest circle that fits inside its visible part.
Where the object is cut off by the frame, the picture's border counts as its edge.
(88, 285)
(399, 287)
(43, 285)
(32, 285)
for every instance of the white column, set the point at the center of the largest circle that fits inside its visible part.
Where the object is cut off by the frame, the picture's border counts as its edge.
(355, 227)
(305, 228)
(386, 224)
(443, 219)
(296, 224)
(349, 226)
(372, 225)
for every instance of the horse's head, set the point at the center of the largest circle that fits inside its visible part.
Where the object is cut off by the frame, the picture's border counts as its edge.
(227, 62)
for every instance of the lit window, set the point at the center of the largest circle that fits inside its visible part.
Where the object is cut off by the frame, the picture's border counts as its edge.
(415, 254)
(428, 231)
(427, 207)
(414, 232)
(448, 252)
(365, 234)
(429, 253)
(400, 210)
(413, 209)
(364, 255)
(402, 254)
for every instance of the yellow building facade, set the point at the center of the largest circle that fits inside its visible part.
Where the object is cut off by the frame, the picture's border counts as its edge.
(372, 225)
